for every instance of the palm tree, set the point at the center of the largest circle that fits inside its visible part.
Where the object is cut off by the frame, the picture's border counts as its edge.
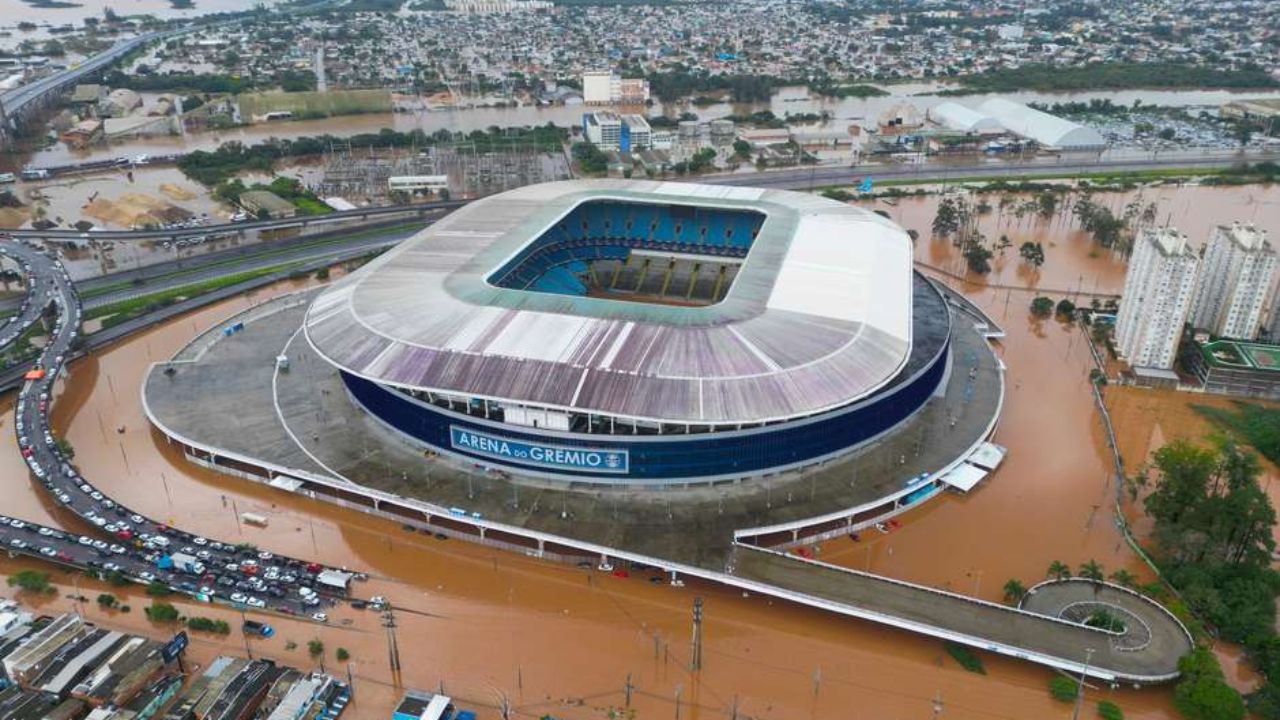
(1091, 570)
(1124, 577)
(1059, 570)
(1014, 591)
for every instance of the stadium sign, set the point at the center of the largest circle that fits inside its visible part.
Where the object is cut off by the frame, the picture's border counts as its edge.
(536, 454)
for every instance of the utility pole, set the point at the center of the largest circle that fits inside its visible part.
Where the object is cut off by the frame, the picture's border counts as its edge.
(1088, 656)
(696, 662)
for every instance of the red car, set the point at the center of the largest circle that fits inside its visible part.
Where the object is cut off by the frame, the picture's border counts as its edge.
(314, 568)
(64, 556)
(27, 452)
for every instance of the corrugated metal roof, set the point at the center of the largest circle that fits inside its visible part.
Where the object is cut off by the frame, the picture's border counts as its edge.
(819, 316)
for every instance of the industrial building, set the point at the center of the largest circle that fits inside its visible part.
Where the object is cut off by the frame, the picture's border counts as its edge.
(1228, 367)
(1049, 131)
(954, 116)
(1156, 301)
(259, 202)
(641, 333)
(1235, 282)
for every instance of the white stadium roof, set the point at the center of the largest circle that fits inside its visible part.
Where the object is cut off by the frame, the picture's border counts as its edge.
(1048, 130)
(818, 317)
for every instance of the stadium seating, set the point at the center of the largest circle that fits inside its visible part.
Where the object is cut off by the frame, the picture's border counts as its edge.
(607, 230)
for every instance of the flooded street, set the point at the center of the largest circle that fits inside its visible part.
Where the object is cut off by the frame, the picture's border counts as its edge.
(562, 640)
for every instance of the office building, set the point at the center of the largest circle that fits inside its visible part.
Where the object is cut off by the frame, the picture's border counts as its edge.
(1235, 282)
(624, 133)
(602, 87)
(1157, 298)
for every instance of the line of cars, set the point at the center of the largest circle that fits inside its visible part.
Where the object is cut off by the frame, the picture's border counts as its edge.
(139, 548)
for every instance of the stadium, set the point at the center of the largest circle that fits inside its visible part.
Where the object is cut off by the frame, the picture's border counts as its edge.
(640, 333)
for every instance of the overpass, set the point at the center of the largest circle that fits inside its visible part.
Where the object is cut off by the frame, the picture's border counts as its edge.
(17, 105)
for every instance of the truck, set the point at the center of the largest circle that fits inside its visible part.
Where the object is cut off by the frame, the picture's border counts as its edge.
(181, 562)
(253, 627)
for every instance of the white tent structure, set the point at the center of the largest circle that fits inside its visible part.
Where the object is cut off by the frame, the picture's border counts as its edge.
(1045, 129)
(954, 116)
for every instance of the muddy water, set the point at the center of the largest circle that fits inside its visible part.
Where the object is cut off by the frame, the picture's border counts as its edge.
(547, 637)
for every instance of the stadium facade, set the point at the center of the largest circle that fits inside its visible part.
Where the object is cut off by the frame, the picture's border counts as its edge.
(638, 332)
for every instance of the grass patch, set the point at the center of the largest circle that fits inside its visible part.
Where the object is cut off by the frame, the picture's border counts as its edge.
(965, 658)
(1104, 620)
(1255, 424)
(125, 310)
(232, 262)
(1108, 710)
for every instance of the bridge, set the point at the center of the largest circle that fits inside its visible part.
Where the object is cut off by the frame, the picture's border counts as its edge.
(18, 105)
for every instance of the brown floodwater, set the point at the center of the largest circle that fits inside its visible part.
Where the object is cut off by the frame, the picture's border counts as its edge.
(561, 640)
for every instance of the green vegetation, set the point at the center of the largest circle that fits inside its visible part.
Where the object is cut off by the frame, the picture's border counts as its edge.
(1032, 253)
(674, 85)
(162, 612)
(32, 581)
(965, 657)
(1108, 710)
(1014, 591)
(204, 624)
(342, 654)
(286, 188)
(213, 167)
(315, 648)
(106, 601)
(118, 579)
(1202, 693)
(306, 103)
(1062, 689)
(1104, 620)
(1255, 424)
(1043, 307)
(1111, 76)
(1212, 537)
(216, 84)
(64, 446)
(590, 158)
(115, 313)
(829, 89)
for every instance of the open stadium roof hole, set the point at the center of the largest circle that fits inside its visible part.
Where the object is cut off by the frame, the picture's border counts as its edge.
(670, 254)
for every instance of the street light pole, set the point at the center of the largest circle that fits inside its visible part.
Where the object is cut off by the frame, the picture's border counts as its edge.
(1088, 656)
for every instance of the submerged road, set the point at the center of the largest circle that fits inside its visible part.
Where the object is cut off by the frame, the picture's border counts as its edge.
(126, 541)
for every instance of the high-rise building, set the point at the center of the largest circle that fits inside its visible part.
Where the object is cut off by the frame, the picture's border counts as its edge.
(602, 87)
(1157, 297)
(1235, 282)
(610, 131)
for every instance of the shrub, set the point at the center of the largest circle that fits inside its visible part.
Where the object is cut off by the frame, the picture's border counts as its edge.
(315, 648)
(107, 600)
(965, 658)
(342, 654)
(32, 581)
(1108, 710)
(162, 612)
(1042, 307)
(204, 624)
(158, 589)
(1062, 689)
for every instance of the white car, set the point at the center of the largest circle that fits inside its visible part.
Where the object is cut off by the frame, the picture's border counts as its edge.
(149, 577)
(238, 597)
(319, 617)
(255, 602)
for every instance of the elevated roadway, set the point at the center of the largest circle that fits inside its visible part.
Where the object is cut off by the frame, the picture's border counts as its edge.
(126, 541)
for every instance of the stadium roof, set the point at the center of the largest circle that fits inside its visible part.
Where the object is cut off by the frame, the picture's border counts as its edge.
(1048, 130)
(819, 315)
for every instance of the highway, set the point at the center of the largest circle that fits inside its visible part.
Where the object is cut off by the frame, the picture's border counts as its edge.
(126, 541)
(16, 100)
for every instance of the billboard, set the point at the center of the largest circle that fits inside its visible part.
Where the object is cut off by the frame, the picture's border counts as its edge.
(174, 647)
(540, 455)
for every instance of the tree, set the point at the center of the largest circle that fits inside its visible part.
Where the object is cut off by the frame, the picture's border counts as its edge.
(1063, 689)
(32, 581)
(946, 221)
(155, 588)
(106, 600)
(1202, 693)
(1014, 591)
(1124, 577)
(1059, 570)
(1032, 252)
(1065, 309)
(977, 257)
(742, 149)
(1091, 570)
(342, 654)
(1042, 307)
(322, 273)
(315, 648)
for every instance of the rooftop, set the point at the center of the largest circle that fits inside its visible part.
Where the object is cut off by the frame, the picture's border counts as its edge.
(818, 317)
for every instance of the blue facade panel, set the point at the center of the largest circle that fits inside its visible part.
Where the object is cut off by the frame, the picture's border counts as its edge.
(659, 458)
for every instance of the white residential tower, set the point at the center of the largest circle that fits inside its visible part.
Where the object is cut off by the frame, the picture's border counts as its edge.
(1157, 297)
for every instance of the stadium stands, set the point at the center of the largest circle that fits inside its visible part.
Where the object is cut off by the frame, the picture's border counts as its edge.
(589, 250)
